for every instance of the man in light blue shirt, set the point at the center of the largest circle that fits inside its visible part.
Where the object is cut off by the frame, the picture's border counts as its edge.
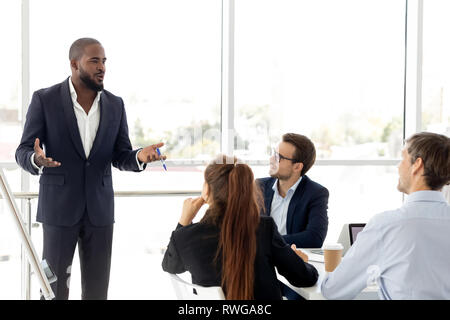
(404, 251)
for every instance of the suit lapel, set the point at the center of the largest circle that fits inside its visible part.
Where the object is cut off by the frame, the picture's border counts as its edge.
(71, 119)
(296, 198)
(101, 127)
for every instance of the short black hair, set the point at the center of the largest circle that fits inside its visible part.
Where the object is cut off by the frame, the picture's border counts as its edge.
(77, 48)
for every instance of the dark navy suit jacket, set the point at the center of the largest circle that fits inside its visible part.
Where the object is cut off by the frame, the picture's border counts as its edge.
(80, 183)
(307, 219)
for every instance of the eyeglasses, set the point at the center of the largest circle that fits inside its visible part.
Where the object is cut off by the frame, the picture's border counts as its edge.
(279, 156)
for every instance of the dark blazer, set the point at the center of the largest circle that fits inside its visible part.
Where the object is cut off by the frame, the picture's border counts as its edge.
(307, 219)
(193, 248)
(80, 183)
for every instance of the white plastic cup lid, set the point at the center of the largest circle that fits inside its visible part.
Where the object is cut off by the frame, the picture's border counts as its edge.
(333, 246)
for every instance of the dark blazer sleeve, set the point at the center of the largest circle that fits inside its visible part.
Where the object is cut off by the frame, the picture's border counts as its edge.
(34, 128)
(124, 157)
(289, 264)
(172, 262)
(316, 229)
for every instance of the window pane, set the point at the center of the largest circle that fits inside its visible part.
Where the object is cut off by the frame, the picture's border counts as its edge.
(10, 129)
(163, 60)
(10, 244)
(10, 62)
(331, 70)
(357, 193)
(436, 66)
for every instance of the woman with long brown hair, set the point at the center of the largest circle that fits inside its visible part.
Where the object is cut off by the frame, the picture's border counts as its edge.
(233, 246)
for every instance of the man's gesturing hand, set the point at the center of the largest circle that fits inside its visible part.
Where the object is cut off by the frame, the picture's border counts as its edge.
(149, 154)
(40, 159)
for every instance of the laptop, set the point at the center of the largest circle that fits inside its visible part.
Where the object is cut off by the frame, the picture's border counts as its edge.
(347, 237)
(353, 230)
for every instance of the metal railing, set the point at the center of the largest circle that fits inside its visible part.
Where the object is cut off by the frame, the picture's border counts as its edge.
(260, 162)
(29, 196)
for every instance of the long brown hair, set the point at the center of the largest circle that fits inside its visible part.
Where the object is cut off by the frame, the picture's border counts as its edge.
(234, 209)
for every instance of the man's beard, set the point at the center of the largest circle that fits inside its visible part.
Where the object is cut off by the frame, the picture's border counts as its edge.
(84, 76)
(280, 177)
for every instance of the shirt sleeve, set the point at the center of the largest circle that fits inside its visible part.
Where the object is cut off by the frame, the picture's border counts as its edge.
(34, 164)
(357, 267)
(140, 165)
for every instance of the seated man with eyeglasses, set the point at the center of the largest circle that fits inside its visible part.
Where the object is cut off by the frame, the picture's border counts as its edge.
(296, 203)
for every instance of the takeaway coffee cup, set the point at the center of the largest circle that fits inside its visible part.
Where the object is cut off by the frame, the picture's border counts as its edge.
(332, 254)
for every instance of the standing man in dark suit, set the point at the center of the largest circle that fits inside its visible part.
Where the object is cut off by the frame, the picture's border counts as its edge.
(73, 132)
(296, 203)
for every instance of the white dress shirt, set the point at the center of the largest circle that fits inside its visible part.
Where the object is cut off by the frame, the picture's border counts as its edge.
(280, 206)
(87, 124)
(404, 251)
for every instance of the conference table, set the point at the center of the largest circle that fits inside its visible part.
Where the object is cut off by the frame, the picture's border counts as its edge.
(313, 293)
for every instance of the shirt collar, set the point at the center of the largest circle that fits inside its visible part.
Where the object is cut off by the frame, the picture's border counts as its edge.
(73, 93)
(426, 195)
(293, 188)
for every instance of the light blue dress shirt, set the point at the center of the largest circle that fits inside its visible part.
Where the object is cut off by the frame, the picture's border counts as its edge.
(406, 252)
(280, 206)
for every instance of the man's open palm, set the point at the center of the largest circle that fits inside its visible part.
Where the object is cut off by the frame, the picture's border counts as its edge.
(40, 159)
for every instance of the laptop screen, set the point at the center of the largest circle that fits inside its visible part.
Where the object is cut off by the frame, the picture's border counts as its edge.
(354, 229)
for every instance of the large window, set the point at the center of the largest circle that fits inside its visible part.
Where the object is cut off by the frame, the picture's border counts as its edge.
(164, 60)
(10, 64)
(436, 66)
(331, 70)
(326, 69)
(10, 132)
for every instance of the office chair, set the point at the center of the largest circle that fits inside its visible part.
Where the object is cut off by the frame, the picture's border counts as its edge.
(188, 291)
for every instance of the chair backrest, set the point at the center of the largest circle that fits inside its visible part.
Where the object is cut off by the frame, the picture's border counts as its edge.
(188, 291)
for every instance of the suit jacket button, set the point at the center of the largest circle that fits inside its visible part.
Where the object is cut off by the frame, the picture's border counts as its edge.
(88, 163)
